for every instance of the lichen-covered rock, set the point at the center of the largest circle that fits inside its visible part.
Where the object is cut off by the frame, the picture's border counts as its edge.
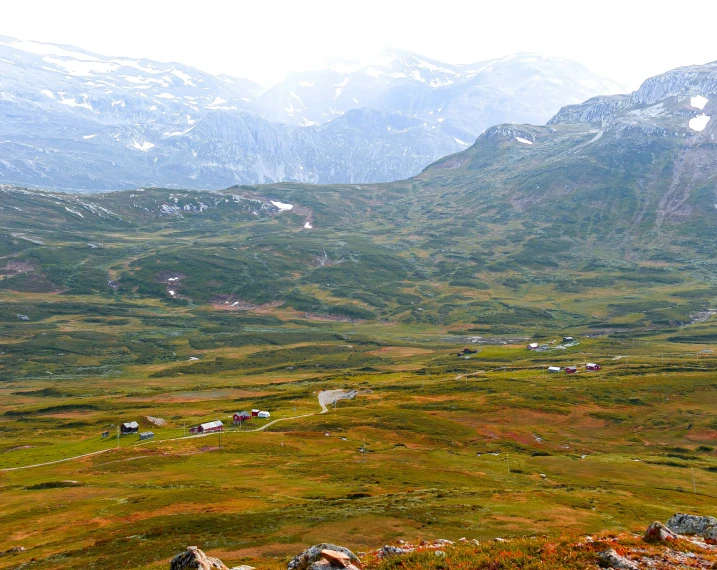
(658, 532)
(611, 559)
(313, 554)
(195, 559)
(389, 550)
(692, 524)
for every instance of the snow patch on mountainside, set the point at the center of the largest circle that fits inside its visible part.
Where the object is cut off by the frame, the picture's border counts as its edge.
(282, 206)
(72, 103)
(187, 79)
(698, 102)
(699, 122)
(143, 146)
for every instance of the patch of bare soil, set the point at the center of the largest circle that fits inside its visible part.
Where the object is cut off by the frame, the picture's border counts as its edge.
(16, 268)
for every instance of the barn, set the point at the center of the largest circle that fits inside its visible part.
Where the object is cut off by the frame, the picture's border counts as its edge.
(571, 369)
(241, 417)
(129, 427)
(208, 427)
(592, 366)
(532, 346)
(255, 413)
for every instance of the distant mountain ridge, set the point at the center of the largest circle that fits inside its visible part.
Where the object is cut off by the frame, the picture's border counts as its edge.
(74, 120)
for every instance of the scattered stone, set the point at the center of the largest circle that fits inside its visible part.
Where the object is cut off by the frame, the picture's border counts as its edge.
(442, 541)
(439, 553)
(243, 567)
(692, 524)
(389, 550)
(159, 422)
(313, 554)
(195, 559)
(336, 558)
(23, 317)
(658, 532)
(611, 559)
(500, 540)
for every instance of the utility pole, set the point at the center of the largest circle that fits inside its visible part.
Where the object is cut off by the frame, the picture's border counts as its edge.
(184, 430)
(694, 483)
(220, 438)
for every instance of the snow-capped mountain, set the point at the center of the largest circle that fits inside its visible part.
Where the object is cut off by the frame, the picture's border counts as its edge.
(461, 100)
(72, 119)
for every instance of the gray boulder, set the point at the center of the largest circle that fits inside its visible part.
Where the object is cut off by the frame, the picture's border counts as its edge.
(389, 550)
(658, 532)
(195, 559)
(611, 559)
(705, 527)
(312, 554)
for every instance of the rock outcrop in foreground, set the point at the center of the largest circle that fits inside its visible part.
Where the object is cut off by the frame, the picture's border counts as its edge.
(686, 541)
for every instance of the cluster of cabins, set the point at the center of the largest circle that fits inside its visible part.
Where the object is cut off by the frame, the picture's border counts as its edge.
(240, 417)
(589, 367)
(567, 341)
(128, 428)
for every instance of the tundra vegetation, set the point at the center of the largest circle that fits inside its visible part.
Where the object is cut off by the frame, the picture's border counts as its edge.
(264, 315)
(190, 306)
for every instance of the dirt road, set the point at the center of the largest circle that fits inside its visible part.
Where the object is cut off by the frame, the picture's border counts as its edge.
(327, 397)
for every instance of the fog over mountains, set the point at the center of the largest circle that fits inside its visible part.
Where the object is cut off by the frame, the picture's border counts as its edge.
(75, 120)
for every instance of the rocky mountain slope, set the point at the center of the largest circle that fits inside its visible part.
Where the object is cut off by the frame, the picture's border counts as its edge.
(72, 119)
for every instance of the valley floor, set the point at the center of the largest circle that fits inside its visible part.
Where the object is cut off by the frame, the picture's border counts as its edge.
(432, 445)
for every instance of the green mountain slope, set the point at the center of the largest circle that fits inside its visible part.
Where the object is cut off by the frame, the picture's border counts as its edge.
(603, 219)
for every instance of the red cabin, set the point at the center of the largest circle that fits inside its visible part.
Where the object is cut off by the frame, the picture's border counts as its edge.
(255, 413)
(241, 417)
(208, 427)
(571, 369)
(593, 367)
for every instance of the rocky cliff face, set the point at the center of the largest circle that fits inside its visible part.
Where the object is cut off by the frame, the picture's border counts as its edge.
(658, 96)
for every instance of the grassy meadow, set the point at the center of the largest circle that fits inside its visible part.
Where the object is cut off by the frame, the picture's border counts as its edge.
(434, 446)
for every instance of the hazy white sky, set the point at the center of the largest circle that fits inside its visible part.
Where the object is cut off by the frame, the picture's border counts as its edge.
(625, 40)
